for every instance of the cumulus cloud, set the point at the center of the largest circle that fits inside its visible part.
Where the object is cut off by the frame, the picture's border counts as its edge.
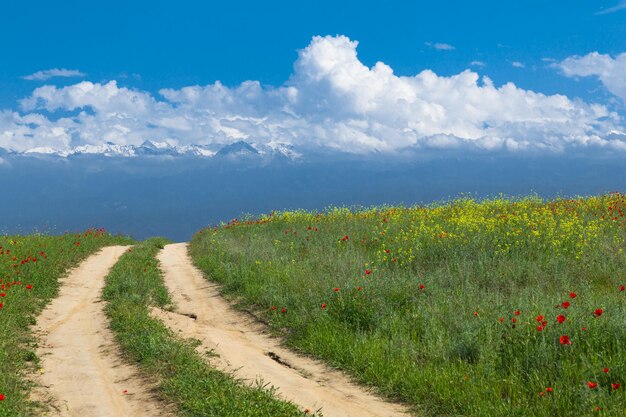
(610, 71)
(517, 64)
(440, 46)
(54, 72)
(331, 101)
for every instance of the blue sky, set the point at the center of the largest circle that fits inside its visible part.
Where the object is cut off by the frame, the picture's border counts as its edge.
(148, 46)
(173, 44)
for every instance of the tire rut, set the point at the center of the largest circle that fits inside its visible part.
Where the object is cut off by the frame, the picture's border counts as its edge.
(240, 347)
(82, 373)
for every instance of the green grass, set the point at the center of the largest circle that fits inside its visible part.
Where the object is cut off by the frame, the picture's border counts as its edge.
(346, 286)
(183, 377)
(38, 261)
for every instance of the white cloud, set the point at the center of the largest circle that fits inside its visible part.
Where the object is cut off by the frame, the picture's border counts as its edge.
(610, 71)
(332, 100)
(479, 64)
(517, 64)
(440, 46)
(54, 72)
(619, 6)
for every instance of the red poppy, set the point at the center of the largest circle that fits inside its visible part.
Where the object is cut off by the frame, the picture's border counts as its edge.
(513, 320)
(584, 328)
(323, 305)
(345, 238)
(622, 287)
(387, 250)
(3, 294)
(274, 307)
(1, 397)
(517, 312)
(1, 306)
(616, 385)
(501, 319)
(592, 385)
(422, 286)
(29, 287)
(572, 295)
(549, 389)
(368, 271)
(359, 288)
(542, 394)
(539, 328)
(564, 340)
(475, 313)
(336, 289)
(539, 318)
(565, 304)
(560, 318)
(605, 370)
(283, 310)
(598, 312)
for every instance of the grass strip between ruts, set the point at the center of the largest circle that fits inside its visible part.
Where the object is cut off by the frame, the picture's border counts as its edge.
(184, 378)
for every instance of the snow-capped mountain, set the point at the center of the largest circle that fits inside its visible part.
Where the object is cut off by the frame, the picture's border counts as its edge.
(236, 150)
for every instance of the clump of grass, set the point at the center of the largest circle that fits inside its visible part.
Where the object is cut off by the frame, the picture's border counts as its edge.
(184, 379)
(452, 307)
(30, 268)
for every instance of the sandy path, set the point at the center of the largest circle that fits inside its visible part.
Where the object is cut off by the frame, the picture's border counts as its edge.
(250, 354)
(82, 373)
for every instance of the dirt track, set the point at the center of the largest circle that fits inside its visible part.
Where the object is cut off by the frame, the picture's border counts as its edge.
(245, 350)
(82, 374)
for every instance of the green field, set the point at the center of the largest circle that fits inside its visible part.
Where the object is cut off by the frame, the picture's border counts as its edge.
(506, 307)
(30, 268)
(502, 307)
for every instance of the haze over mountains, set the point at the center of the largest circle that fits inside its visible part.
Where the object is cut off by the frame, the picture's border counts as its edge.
(174, 193)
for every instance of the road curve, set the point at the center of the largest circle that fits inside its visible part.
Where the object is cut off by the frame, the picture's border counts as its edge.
(244, 349)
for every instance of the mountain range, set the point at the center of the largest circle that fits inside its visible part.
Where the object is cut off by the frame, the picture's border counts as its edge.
(240, 149)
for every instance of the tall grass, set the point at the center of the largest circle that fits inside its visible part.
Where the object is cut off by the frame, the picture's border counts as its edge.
(452, 308)
(30, 268)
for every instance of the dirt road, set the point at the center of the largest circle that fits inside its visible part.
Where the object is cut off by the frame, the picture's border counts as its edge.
(82, 373)
(245, 350)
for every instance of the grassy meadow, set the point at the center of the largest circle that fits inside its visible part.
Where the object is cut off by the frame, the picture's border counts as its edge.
(30, 268)
(503, 307)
